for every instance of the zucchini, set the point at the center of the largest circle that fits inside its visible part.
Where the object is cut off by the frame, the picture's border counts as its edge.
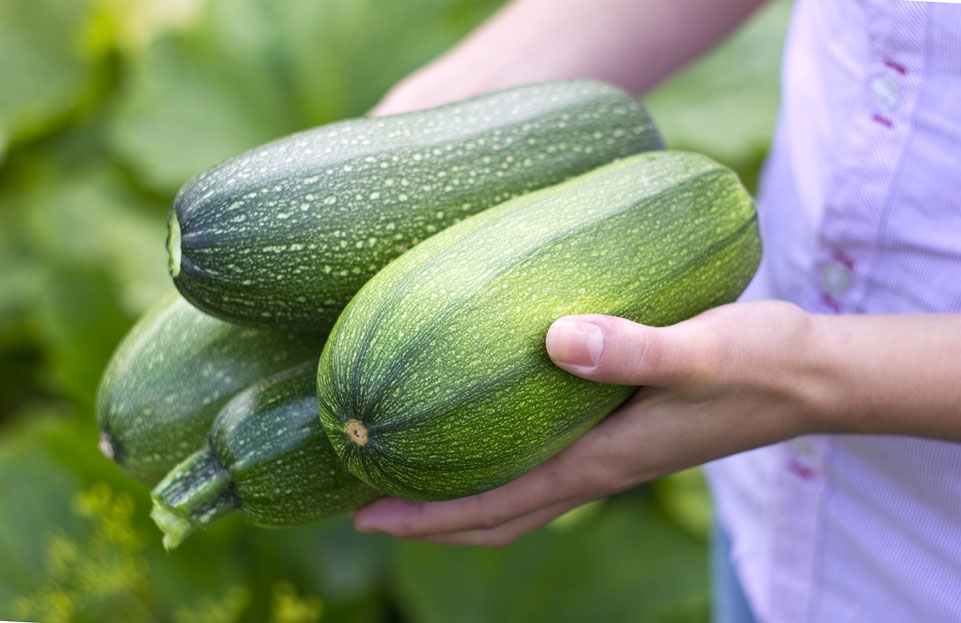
(267, 457)
(170, 376)
(285, 234)
(435, 382)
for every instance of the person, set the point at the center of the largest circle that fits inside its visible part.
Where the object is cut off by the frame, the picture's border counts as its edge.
(834, 385)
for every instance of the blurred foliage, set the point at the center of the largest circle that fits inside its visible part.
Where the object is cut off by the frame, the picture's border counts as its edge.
(725, 105)
(106, 108)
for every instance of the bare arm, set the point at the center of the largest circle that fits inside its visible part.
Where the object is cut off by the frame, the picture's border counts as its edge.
(898, 374)
(631, 43)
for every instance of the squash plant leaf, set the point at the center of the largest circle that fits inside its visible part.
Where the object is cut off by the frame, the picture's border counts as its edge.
(725, 104)
(627, 564)
(46, 66)
(247, 71)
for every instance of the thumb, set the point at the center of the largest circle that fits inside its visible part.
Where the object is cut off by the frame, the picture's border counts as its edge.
(615, 350)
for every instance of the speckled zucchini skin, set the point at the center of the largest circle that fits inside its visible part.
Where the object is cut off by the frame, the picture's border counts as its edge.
(435, 382)
(173, 372)
(267, 458)
(285, 234)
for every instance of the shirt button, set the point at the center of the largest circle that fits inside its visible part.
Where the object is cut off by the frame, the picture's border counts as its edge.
(835, 278)
(885, 92)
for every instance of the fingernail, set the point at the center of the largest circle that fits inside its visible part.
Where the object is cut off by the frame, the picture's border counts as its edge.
(575, 343)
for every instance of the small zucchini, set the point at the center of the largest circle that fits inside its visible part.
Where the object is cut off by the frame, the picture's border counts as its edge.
(267, 458)
(171, 375)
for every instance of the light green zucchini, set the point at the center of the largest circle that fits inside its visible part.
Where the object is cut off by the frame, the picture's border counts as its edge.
(435, 382)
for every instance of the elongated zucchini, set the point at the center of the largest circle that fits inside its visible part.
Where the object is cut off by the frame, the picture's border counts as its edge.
(172, 373)
(435, 382)
(286, 233)
(267, 458)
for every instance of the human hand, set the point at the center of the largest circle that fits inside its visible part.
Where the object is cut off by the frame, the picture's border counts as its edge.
(731, 379)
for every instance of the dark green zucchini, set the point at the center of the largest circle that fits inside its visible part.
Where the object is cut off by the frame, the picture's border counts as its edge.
(172, 373)
(435, 382)
(267, 458)
(286, 233)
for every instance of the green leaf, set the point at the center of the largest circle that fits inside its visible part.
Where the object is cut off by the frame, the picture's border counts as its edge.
(725, 105)
(44, 70)
(248, 71)
(34, 498)
(89, 257)
(188, 106)
(628, 564)
(684, 496)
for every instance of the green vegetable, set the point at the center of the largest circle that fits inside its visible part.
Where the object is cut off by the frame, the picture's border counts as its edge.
(267, 458)
(435, 382)
(285, 234)
(172, 373)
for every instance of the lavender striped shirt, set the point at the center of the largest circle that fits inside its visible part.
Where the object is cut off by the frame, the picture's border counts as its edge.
(860, 213)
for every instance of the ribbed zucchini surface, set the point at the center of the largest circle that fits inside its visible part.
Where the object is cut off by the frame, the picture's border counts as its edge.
(285, 234)
(267, 458)
(171, 375)
(435, 382)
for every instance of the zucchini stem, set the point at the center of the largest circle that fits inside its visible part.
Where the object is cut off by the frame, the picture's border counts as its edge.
(173, 243)
(106, 447)
(357, 432)
(192, 495)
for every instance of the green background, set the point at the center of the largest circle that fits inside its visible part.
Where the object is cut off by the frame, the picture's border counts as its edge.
(106, 108)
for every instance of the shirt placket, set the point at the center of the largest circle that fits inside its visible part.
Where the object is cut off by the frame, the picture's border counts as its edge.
(799, 489)
(839, 279)
(857, 195)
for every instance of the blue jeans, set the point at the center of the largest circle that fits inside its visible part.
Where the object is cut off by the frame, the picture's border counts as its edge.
(728, 603)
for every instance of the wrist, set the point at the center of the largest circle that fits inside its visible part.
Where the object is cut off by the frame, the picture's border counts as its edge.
(780, 358)
(822, 394)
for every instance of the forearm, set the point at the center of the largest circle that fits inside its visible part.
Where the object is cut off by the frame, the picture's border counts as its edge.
(892, 374)
(631, 43)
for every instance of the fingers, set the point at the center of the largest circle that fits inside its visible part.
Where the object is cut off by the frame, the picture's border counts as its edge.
(587, 469)
(494, 536)
(508, 532)
(615, 350)
(482, 511)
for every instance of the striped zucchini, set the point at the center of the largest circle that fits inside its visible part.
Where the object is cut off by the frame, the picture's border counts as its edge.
(170, 376)
(286, 233)
(435, 382)
(267, 458)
